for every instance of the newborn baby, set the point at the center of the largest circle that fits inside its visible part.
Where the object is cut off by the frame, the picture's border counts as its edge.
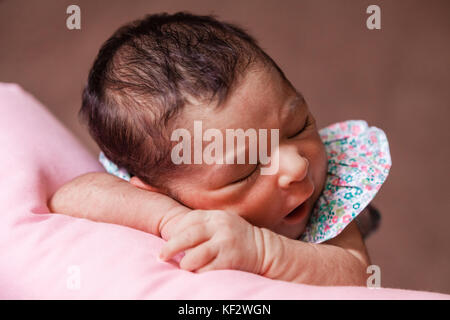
(168, 72)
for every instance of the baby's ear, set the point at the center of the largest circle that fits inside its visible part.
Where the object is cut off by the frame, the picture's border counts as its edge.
(138, 183)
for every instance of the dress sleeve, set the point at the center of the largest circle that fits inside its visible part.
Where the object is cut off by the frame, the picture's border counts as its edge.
(358, 164)
(112, 168)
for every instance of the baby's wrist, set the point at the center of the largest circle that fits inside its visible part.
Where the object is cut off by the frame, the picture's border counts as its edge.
(272, 253)
(170, 219)
(283, 257)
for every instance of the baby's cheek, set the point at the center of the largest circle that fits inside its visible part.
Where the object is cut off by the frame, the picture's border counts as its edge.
(261, 206)
(321, 158)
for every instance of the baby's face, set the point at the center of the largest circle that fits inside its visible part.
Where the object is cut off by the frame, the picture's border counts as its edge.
(261, 101)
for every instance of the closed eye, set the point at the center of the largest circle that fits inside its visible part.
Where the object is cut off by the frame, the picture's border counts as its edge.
(247, 177)
(307, 123)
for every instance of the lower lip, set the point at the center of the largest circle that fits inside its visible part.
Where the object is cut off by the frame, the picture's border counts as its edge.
(297, 214)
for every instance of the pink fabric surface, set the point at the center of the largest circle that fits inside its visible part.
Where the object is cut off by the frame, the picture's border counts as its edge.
(38, 249)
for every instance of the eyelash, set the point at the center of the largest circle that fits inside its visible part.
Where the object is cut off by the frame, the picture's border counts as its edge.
(302, 129)
(247, 178)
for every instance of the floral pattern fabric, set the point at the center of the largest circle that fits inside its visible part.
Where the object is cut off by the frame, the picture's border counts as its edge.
(112, 168)
(358, 164)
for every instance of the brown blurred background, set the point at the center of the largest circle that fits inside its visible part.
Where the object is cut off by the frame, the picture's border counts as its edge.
(396, 78)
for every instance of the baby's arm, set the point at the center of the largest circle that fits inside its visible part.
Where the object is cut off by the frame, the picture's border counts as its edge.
(215, 239)
(342, 260)
(103, 197)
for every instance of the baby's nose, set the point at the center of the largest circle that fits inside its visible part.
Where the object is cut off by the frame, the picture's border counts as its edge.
(293, 168)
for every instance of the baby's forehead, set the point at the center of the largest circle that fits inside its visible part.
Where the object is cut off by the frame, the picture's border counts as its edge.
(261, 99)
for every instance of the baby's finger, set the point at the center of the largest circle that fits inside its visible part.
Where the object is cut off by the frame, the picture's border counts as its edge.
(188, 221)
(188, 239)
(209, 267)
(198, 257)
(220, 262)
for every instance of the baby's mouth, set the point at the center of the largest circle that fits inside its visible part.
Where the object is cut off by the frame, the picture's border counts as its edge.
(297, 215)
(300, 212)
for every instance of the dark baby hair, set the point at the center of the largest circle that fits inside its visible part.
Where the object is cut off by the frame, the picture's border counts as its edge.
(146, 71)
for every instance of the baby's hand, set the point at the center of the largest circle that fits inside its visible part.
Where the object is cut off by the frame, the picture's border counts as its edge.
(215, 239)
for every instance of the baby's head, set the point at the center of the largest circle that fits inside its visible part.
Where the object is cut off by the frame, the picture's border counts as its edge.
(164, 72)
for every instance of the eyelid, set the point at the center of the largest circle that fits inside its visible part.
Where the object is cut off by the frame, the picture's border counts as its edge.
(302, 129)
(247, 176)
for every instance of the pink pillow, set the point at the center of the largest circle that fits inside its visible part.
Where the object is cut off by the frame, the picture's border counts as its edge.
(52, 256)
